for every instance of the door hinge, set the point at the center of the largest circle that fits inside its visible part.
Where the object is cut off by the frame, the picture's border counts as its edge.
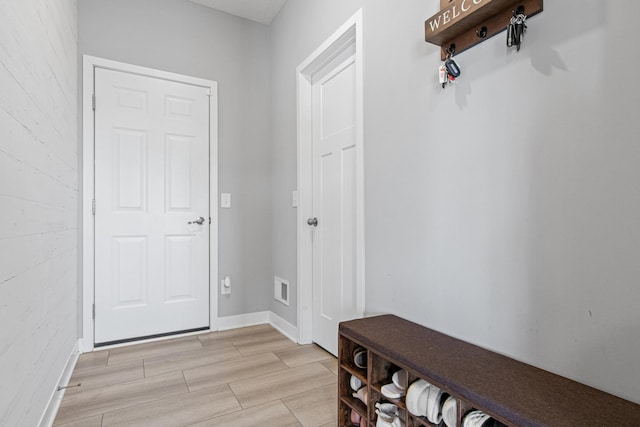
(94, 312)
(93, 102)
(93, 206)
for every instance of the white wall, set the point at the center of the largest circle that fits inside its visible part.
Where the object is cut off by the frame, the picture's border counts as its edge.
(38, 203)
(503, 210)
(183, 37)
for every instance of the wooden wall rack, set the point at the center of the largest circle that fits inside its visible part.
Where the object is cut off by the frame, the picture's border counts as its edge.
(511, 392)
(460, 22)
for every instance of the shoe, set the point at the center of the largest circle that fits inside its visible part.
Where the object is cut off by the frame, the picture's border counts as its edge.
(360, 357)
(391, 391)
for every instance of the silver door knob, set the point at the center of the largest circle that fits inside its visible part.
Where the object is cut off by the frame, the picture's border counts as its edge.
(199, 221)
(313, 221)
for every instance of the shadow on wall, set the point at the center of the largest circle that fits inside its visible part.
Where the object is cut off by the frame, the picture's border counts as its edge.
(568, 22)
(585, 203)
(539, 44)
(526, 215)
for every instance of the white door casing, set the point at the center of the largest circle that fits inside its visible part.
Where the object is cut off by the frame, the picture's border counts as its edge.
(331, 186)
(148, 215)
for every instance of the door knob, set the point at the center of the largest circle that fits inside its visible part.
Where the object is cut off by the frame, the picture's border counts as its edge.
(199, 221)
(313, 221)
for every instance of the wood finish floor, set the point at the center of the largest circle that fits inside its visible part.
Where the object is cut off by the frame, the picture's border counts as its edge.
(244, 377)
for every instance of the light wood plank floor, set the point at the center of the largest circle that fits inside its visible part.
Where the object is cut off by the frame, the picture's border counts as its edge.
(244, 377)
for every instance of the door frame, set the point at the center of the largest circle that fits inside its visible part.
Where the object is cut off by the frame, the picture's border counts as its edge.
(90, 63)
(347, 40)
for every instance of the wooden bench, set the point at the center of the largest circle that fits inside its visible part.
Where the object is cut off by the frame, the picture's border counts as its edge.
(512, 392)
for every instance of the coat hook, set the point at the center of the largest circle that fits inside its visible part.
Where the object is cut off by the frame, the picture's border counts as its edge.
(482, 32)
(452, 49)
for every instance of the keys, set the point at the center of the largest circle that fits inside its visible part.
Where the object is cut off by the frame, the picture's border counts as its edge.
(449, 71)
(452, 68)
(511, 33)
(442, 73)
(516, 28)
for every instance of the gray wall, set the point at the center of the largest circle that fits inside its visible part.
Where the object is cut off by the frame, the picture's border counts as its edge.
(38, 203)
(186, 38)
(502, 210)
(299, 28)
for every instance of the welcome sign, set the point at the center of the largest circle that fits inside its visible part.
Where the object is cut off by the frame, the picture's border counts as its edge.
(465, 23)
(454, 11)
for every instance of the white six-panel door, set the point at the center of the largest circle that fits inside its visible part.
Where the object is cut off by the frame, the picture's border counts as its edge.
(334, 202)
(151, 181)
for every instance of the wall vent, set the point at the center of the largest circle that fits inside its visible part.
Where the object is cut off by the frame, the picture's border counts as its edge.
(281, 290)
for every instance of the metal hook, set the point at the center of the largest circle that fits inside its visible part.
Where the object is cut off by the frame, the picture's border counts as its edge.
(451, 50)
(482, 32)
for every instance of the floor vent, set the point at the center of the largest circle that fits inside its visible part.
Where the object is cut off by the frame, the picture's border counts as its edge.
(281, 290)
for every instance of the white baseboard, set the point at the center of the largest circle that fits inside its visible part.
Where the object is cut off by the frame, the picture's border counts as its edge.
(286, 328)
(259, 318)
(243, 320)
(49, 415)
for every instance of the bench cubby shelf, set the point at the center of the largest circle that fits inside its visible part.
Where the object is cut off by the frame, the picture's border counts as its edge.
(512, 392)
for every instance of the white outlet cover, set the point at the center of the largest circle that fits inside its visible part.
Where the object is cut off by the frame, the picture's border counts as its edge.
(225, 200)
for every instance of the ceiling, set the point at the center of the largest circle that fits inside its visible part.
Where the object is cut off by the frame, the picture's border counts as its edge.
(262, 11)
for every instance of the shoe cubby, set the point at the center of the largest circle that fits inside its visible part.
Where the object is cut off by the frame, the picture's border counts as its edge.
(420, 422)
(346, 352)
(347, 403)
(510, 392)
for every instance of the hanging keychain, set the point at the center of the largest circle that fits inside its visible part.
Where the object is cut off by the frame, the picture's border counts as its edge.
(450, 64)
(520, 28)
(442, 75)
(449, 71)
(516, 28)
(511, 32)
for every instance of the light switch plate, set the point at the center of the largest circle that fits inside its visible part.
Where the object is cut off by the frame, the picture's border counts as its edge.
(225, 286)
(225, 200)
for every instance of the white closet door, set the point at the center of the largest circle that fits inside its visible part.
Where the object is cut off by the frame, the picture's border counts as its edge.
(334, 203)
